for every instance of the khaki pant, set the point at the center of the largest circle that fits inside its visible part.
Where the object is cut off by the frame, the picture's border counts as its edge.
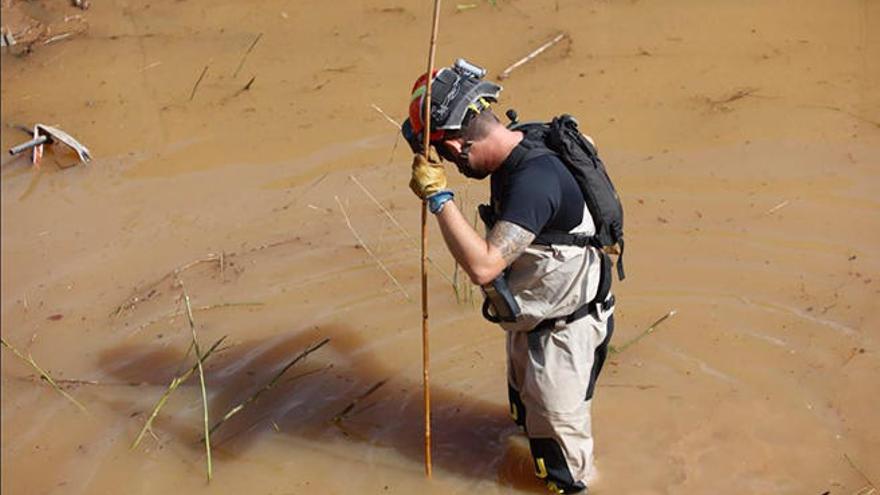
(551, 376)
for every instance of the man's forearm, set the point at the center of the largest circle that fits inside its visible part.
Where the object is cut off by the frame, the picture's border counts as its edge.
(480, 260)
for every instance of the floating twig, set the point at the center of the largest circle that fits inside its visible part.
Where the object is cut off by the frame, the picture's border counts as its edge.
(398, 225)
(344, 412)
(387, 117)
(639, 337)
(396, 124)
(777, 207)
(237, 409)
(58, 37)
(844, 111)
(625, 385)
(182, 312)
(506, 73)
(736, 95)
(245, 56)
(175, 382)
(195, 344)
(150, 66)
(151, 290)
(862, 473)
(75, 381)
(368, 250)
(198, 81)
(43, 373)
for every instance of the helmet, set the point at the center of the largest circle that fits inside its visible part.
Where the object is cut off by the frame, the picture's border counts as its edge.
(455, 91)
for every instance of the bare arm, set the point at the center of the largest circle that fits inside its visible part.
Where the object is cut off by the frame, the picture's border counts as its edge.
(482, 259)
(510, 239)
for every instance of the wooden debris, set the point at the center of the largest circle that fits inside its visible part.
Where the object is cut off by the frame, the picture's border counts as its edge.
(198, 81)
(344, 412)
(639, 337)
(195, 345)
(151, 290)
(200, 308)
(245, 56)
(777, 207)
(175, 382)
(398, 225)
(43, 374)
(238, 408)
(861, 473)
(369, 251)
(531, 56)
(387, 117)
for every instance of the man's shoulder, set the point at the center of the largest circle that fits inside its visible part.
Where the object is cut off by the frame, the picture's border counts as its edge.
(543, 164)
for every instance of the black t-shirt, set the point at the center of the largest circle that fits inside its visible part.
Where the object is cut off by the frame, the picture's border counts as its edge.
(538, 193)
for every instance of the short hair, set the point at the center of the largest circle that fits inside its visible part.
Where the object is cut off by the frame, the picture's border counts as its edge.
(479, 126)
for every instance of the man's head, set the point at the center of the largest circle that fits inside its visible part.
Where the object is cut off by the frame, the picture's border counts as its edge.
(460, 115)
(470, 149)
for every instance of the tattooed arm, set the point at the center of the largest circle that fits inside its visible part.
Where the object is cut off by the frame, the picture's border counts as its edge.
(481, 259)
(510, 239)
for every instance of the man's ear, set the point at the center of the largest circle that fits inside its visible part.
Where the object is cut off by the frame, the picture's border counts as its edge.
(453, 145)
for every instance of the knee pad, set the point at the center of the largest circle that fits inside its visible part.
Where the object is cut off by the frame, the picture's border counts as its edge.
(551, 467)
(517, 408)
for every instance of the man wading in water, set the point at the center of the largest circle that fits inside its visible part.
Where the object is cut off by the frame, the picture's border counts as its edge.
(546, 281)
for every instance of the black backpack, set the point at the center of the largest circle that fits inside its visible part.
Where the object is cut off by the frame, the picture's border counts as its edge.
(562, 137)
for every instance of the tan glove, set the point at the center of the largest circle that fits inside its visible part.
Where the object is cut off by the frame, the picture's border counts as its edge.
(428, 176)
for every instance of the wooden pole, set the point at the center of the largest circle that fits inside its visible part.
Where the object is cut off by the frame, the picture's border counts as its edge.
(425, 341)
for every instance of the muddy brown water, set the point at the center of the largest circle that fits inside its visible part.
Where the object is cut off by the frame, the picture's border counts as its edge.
(744, 139)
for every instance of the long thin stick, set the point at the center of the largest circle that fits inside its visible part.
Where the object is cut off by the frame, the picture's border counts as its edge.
(198, 81)
(777, 207)
(200, 308)
(649, 330)
(237, 409)
(245, 56)
(398, 225)
(344, 412)
(856, 468)
(176, 382)
(387, 117)
(195, 343)
(151, 290)
(369, 251)
(506, 73)
(426, 118)
(43, 373)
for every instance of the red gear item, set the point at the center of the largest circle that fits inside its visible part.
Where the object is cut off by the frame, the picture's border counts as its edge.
(417, 108)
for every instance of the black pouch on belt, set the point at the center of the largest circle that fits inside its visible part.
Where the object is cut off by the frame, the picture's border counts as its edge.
(499, 305)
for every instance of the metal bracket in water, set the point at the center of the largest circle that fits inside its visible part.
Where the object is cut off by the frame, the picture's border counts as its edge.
(47, 134)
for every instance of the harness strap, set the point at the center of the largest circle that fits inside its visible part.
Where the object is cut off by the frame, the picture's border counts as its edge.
(581, 312)
(590, 307)
(548, 238)
(620, 274)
